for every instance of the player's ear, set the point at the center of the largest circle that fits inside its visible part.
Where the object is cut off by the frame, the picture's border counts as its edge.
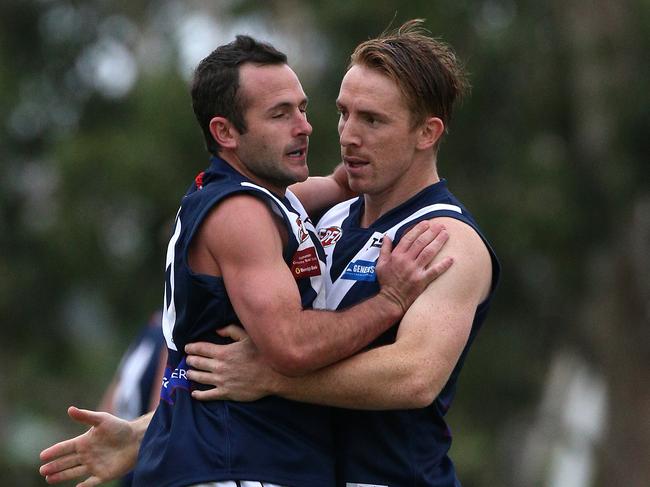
(430, 132)
(224, 133)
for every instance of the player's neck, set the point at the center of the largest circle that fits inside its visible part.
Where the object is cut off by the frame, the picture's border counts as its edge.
(380, 203)
(274, 187)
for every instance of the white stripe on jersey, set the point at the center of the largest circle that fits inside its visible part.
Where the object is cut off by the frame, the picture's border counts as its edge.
(169, 312)
(337, 290)
(294, 201)
(291, 216)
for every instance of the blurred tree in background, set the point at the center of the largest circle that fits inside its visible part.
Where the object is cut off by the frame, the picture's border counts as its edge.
(98, 143)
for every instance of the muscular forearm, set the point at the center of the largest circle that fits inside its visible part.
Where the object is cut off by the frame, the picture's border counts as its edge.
(381, 378)
(409, 373)
(295, 341)
(319, 338)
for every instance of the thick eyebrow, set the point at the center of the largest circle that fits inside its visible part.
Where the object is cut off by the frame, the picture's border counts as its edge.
(284, 105)
(364, 113)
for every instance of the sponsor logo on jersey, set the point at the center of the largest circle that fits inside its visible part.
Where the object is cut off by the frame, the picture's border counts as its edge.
(360, 270)
(377, 241)
(174, 379)
(329, 236)
(305, 263)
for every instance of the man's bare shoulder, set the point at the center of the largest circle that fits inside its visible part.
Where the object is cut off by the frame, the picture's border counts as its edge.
(472, 269)
(238, 209)
(236, 230)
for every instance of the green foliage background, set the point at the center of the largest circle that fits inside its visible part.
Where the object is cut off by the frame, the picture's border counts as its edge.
(549, 152)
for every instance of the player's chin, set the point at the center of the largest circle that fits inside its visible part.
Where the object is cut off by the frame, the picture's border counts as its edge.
(299, 171)
(359, 185)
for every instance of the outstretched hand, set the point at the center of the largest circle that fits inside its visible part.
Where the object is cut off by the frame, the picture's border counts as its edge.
(105, 452)
(405, 271)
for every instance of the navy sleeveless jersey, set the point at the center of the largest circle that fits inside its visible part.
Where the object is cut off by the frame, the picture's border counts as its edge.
(396, 448)
(273, 439)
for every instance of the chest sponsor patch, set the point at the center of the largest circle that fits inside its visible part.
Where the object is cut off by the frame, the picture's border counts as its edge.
(305, 263)
(360, 270)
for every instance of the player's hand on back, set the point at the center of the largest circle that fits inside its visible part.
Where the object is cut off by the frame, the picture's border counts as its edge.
(236, 371)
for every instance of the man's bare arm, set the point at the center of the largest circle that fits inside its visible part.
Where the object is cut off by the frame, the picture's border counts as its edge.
(243, 240)
(406, 374)
(109, 448)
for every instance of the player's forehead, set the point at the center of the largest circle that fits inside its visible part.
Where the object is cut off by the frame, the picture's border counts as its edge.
(369, 90)
(264, 86)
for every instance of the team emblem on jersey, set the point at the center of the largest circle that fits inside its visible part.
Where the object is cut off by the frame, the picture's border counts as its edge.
(329, 236)
(303, 231)
(360, 270)
(305, 263)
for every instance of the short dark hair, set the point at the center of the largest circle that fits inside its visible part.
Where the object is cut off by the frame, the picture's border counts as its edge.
(215, 86)
(425, 69)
